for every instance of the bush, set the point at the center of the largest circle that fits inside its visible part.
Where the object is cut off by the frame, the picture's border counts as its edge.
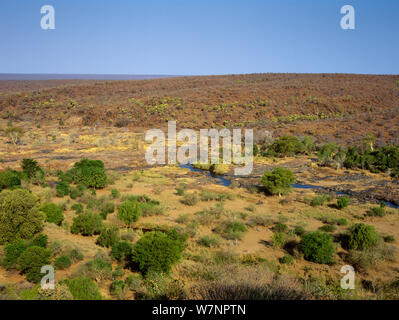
(298, 230)
(343, 202)
(117, 287)
(362, 236)
(121, 251)
(108, 237)
(209, 241)
(9, 179)
(190, 199)
(19, 215)
(328, 228)
(287, 259)
(129, 211)
(75, 193)
(78, 207)
(115, 193)
(285, 146)
(83, 288)
(53, 213)
(12, 252)
(31, 168)
(179, 191)
(62, 189)
(41, 240)
(76, 255)
(280, 227)
(317, 247)
(90, 173)
(327, 153)
(31, 261)
(156, 251)
(231, 230)
(278, 181)
(378, 211)
(62, 263)
(320, 200)
(14, 134)
(278, 240)
(87, 224)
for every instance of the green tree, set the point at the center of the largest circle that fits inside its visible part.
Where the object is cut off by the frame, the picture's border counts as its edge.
(278, 181)
(129, 211)
(53, 213)
(317, 247)
(362, 236)
(87, 224)
(31, 261)
(19, 215)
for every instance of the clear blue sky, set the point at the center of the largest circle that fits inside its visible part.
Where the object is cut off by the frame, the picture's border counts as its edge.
(189, 37)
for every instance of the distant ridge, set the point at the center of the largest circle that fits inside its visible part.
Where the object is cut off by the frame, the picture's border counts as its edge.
(44, 76)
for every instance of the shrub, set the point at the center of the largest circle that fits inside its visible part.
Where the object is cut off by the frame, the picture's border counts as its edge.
(362, 236)
(31, 261)
(209, 241)
(133, 282)
(308, 144)
(378, 211)
(280, 227)
(278, 181)
(129, 211)
(327, 153)
(231, 230)
(121, 251)
(78, 207)
(108, 237)
(328, 228)
(317, 247)
(19, 215)
(83, 288)
(190, 199)
(87, 224)
(285, 146)
(74, 193)
(62, 189)
(115, 193)
(287, 259)
(117, 287)
(106, 208)
(62, 263)
(12, 251)
(389, 238)
(298, 230)
(53, 213)
(41, 240)
(14, 134)
(343, 202)
(76, 255)
(278, 240)
(320, 200)
(156, 251)
(31, 168)
(90, 173)
(179, 191)
(9, 179)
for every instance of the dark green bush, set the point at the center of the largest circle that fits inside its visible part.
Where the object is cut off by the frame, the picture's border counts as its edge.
(9, 179)
(31, 168)
(129, 211)
(122, 251)
(328, 228)
(362, 236)
(31, 261)
(62, 189)
(378, 211)
(108, 237)
(83, 288)
(75, 193)
(19, 215)
(62, 263)
(298, 230)
(285, 146)
(41, 240)
(278, 181)
(320, 200)
(231, 230)
(87, 224)
(53, 213)
(12, 252)
(117, 287)
(90, 173)
(157, 251)
(317, 247)
(343, 202)
(78, 207)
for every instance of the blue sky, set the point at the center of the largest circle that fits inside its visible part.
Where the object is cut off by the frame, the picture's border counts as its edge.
(195, 37)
